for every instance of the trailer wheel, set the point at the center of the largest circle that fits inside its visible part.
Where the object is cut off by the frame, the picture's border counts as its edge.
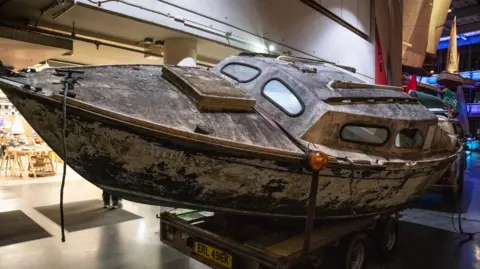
(387, 235)
(354, 252)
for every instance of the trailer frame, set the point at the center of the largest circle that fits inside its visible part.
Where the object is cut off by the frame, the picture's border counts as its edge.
(279, 244)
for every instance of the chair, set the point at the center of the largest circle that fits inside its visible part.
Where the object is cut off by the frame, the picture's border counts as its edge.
(40, 164)
(12, 162)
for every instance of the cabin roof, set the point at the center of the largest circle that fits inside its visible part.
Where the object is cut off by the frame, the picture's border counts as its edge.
(318, 80)
(312, 84)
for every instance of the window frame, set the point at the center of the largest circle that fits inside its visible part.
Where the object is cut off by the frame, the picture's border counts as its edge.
(368, 126)
(419, 147)
(235, 78)
(302, 104)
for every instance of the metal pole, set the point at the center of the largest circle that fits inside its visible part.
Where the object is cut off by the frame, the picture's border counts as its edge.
(312, 203)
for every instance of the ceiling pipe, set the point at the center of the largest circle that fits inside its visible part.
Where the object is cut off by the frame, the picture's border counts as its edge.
(50, 7)
(76, 38)
(63, 11)
(45, 10)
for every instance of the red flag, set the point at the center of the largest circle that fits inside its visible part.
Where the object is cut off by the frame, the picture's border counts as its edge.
(412, 84)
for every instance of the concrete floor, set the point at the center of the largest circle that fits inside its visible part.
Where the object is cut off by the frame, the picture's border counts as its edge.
(427, 237)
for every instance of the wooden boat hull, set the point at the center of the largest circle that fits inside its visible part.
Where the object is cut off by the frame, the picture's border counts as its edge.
(452, 81)
(146, 166)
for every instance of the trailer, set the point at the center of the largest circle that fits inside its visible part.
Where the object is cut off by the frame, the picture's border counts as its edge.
(224, 241)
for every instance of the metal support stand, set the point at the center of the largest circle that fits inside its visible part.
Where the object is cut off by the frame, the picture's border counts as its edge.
(312, 203)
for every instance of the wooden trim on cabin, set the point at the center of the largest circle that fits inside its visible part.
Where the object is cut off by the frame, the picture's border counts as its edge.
(338, 84)
(179, 133)
(370, 100)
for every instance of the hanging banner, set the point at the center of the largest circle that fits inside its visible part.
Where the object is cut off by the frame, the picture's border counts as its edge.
(380, 72)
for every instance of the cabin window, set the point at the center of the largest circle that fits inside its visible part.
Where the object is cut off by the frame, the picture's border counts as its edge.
(241, 72)
(409, 138)
(283, 97)
(375, 135)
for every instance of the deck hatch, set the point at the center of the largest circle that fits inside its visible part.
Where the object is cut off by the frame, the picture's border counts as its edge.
(209, 91)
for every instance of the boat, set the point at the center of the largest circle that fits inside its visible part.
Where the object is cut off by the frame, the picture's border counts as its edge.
(428, 100)
(235, 138)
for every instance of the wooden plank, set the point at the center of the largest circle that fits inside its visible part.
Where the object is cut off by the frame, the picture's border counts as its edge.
(267, 240)
(208, 90)
(352, 85)
(321, 236)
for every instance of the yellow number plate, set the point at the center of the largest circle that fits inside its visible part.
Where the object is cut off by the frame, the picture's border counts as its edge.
(213, 254)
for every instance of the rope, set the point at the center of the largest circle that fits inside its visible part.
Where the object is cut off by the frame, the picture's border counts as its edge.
(64, 145)
(351, 177)
(458, 207)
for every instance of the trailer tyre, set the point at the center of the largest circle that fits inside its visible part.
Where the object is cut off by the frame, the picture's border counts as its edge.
(353, 251)
(386, 237)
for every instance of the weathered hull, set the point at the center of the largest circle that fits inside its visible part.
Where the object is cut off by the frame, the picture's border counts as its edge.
(147, 166)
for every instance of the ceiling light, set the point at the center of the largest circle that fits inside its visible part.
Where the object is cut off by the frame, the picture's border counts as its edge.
(271, 47)
(151, 57)
(432, 71)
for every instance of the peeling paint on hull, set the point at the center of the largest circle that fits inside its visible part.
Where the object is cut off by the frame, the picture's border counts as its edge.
(144, 166)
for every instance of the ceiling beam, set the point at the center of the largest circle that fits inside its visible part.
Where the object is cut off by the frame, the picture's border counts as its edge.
(469, 27)
(464, 12)
(464, 28)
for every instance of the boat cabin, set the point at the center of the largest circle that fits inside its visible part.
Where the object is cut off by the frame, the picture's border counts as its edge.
(328, 106)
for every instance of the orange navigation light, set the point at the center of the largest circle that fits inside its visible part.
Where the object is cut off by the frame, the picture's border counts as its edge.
(317, 160)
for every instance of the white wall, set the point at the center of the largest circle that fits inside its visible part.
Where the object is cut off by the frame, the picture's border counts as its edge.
(290, 24)
(355, 12)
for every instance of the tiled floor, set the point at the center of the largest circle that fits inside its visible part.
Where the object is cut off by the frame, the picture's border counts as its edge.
(133, 244)
(136, 244)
